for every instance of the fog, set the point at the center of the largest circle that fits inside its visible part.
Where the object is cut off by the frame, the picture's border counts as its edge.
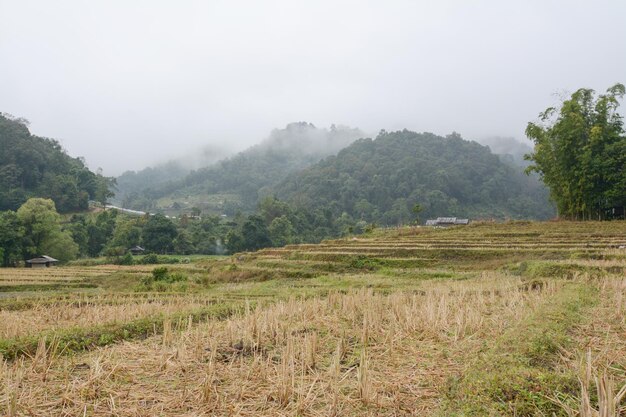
(128, 84)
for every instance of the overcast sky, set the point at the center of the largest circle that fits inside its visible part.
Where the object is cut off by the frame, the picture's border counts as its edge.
(129, 83)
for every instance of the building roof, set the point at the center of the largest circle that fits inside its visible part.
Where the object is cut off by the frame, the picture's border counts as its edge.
(137, 248)
(42, 260)
(444, 221)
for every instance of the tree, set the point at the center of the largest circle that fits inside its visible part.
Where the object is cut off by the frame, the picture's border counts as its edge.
(252, 236)
(43, 234)
(11, 235)
(182, 243)
(78, 229)
(127, 232)
(100, 231)
(580, 153)
(158, 234)
(281, 231)
(417, 209)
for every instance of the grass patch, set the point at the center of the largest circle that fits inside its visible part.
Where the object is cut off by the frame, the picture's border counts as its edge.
(518, 372)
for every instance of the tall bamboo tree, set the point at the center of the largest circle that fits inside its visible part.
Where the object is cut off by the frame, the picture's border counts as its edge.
(580, 153)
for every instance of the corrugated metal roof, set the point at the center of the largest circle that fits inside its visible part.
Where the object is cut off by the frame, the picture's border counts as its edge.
(444, 221)
(42, 260)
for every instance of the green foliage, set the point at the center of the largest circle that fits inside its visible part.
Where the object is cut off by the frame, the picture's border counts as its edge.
(252, 235)
(183, 244)
(11, 237)
(150, 259)
(43, 234)
(281, 231)
(246, 175)
(31, 166)
(382, 180)
(514, 375)
(100, 231)
(160, 273)
(127, 259)
(127, 232)
(158, 234)
(162, 279)
(365, 262)
(580, 154)
(417, 209)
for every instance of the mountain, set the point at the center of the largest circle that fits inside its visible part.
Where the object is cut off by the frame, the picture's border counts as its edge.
(32, 166)
(132, 184)
(236, 183)
(381, 180)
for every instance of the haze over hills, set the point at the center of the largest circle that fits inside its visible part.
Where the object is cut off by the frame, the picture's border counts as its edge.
(438, 170)
(235, 183)
(381, 180)
(509, 149)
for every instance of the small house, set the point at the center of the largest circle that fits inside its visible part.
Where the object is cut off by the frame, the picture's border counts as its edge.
(136, 250)
(43, 261)
(447, 221)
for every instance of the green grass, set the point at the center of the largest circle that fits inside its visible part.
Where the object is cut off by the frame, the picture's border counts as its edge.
(516, 374)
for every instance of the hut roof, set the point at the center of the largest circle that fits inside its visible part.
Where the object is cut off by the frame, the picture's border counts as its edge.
(42, 260)
(446, 221)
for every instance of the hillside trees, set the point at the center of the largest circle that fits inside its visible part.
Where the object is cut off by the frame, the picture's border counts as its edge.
(242, 177)
(32, 166)
(381, 180)
(580, 153)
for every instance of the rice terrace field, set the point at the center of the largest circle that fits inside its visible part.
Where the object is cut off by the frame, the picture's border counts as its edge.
(514, 319)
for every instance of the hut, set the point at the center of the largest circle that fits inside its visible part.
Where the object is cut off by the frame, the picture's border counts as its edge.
(136, 250)
(447, 221)
(43, 261)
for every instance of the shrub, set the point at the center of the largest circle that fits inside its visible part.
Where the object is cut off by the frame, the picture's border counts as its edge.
(159, 273)
(126, 259)
(176, 277)
(150, 259)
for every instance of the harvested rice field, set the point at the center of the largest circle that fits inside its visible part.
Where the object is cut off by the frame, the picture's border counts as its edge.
(512, 319)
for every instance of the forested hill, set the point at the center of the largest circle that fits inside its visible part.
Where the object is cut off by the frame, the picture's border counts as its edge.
(32, 166)
(381, 180)
(236, 183)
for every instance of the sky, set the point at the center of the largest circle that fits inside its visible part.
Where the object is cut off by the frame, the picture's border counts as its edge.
(127, 84)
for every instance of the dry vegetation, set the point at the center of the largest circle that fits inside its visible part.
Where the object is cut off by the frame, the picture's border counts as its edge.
(514, 319)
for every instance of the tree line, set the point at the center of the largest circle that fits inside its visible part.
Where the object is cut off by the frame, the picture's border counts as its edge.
(36, 229)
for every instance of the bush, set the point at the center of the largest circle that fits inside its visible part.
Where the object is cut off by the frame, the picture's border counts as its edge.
(126, 259)
(150, 259)
(176, 277)
(160, 273)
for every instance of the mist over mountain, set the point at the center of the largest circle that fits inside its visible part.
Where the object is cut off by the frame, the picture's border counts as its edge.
(381, 180)
(509, 149)
(235, 183)
(133, 183)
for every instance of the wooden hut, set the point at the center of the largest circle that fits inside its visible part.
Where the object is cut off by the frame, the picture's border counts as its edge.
(43, 261)
(136, 250)
(447, 221)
